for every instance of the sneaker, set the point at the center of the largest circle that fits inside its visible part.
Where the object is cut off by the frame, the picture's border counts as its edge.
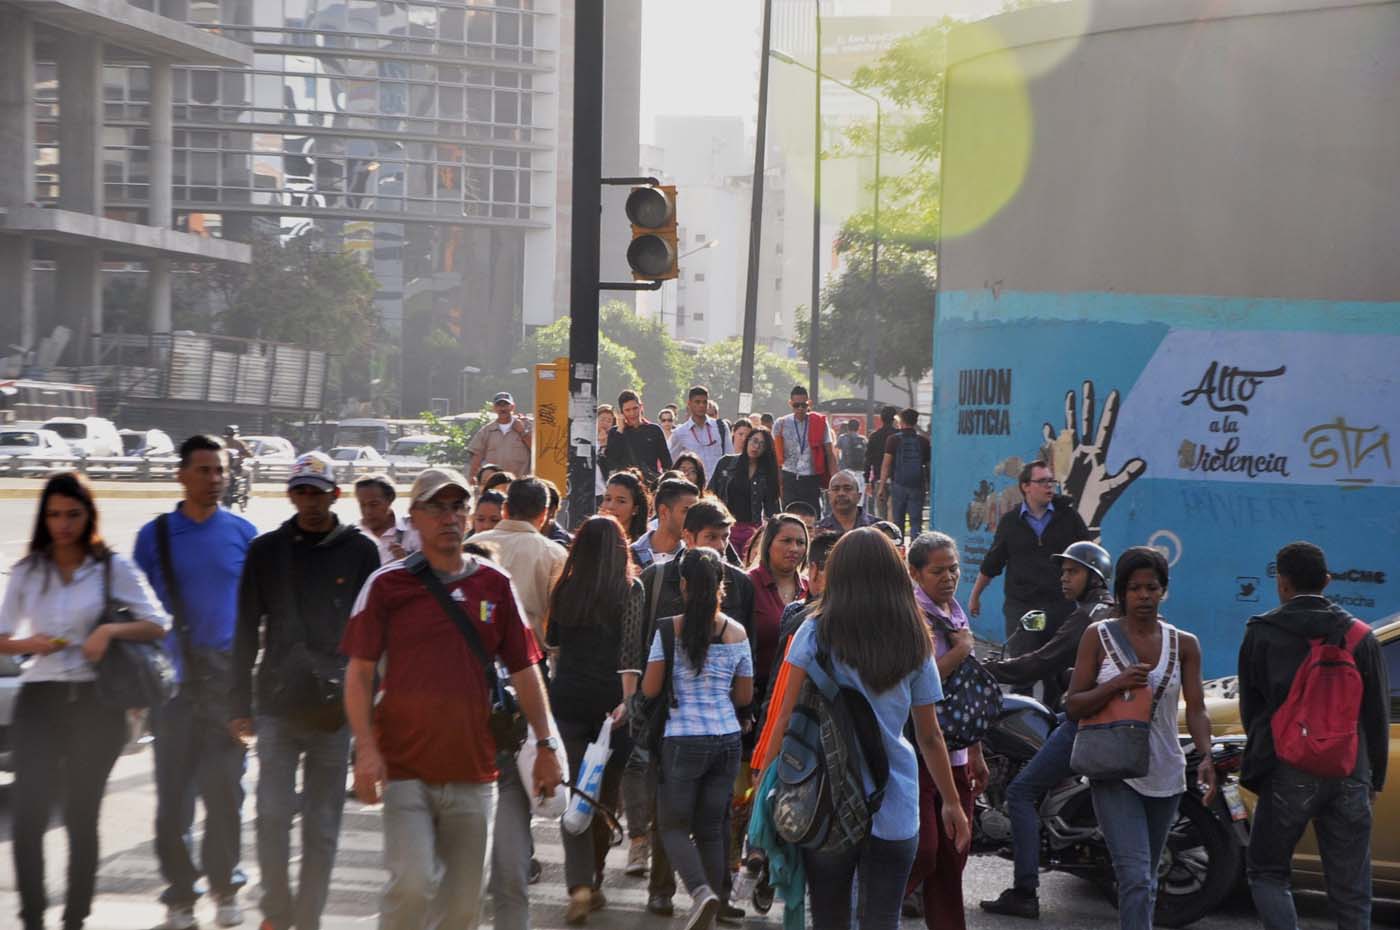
(1015, 902)
(762, 897)
(730, 916)
(536, 871)
(638, 857)
(660, 905)
(179, 917)
(580, 903)
(703, 909)
(227, 913)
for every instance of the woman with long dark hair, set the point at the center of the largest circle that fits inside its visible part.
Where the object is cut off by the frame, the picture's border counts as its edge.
(747, 483)
(65, 739)
(692, 469)
(595, 635)
(869, 632)
(777, 582)
(626, 498)
(712, 675)
(1136, 814)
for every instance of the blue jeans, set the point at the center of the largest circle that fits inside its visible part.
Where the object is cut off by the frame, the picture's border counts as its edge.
(882, 869)
(1135, 827)
(435, 843)
(697, 783)
(196, 756)
(283, 746)
(1048, 768)
(1340, 811)
(511, 848)
(907, 502)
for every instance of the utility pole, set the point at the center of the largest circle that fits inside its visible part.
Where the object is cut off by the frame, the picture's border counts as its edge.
(814, 330)
(760, 153)
(583, 287)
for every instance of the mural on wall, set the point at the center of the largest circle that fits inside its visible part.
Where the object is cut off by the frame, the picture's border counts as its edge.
(1213, 430)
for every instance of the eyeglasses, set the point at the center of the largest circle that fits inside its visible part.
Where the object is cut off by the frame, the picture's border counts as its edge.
(668, 419)
(437, 509)
(1044, 482)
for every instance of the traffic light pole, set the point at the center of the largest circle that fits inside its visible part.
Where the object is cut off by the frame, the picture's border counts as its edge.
(585, 259)
(760, 153)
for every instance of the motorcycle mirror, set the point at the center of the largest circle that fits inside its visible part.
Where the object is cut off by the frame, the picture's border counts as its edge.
(1033, 621)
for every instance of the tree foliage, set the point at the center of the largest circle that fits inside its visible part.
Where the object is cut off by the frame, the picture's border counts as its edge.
(616, 368)
(660, 362)
(457, 435)
(717, 367)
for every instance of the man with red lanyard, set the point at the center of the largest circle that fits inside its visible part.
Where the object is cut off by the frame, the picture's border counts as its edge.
(805, 454)
(702, 434)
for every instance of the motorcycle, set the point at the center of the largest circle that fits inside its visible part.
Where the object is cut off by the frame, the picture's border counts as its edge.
(238, 486)
(1203, 860)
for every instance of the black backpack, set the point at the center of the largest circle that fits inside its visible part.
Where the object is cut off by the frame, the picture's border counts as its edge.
(908, 460)
(820, 802)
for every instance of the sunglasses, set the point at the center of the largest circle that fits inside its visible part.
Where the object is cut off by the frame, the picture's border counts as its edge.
(800, 405)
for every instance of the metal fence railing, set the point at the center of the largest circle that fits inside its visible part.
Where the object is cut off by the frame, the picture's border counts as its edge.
(141, 468)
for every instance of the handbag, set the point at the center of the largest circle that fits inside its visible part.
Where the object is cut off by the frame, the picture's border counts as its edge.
(507, 724)
(972, 700)
(1113, 744)
(647, 716)
(206, 678)
(130, 674)
(309, 684)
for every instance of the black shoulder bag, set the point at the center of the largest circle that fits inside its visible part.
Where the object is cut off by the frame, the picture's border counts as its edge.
(508, 725)
(207, 676)
(130, 674)
(647, 716)
(309, 684)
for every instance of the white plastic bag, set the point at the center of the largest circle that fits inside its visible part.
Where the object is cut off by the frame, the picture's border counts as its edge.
(579, 815)
(554, 805)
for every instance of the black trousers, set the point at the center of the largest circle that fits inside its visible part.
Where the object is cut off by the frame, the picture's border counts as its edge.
(807, 488)
(65, 744)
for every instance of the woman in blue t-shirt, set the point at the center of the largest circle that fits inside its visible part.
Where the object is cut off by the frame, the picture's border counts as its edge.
(868, 622)
(712, 674)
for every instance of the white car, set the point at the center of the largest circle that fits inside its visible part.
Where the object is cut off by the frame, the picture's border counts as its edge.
(9, 691)
(271, 449)
(147, 443)
(358, 455)
(412, 451)
(89, 436)
(34, 442)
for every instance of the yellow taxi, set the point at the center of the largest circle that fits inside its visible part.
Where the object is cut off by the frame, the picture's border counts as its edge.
(1222, 704)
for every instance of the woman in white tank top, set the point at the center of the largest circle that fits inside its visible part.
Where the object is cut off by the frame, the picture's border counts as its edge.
(1136, 814)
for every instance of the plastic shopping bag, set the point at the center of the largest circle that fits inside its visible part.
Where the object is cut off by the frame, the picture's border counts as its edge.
(579, 814)
(554, 805)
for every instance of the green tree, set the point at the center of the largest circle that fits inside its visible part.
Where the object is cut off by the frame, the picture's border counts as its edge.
(660, 361)
(457, 435)
(717, 367)
(902, 318)
(616, 364)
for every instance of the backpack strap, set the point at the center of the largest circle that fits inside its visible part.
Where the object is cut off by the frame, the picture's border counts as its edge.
(667, 628)
(1355, 633)
(180, 621)
(864, 724)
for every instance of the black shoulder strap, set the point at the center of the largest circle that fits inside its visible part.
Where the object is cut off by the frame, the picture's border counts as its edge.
(418, 565)
(667, 628)
(172, 583)
(860, 719)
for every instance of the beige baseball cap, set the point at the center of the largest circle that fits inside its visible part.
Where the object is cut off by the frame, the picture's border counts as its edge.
(432, 480)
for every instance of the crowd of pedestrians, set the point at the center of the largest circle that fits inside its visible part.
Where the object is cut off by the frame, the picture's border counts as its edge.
(460, 655)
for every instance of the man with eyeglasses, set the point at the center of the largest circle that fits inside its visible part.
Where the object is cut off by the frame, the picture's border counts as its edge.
(1025, 544)
(806, 456)
(504, 441)
(702, 434)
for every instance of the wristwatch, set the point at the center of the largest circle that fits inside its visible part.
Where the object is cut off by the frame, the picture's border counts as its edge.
(549, 742)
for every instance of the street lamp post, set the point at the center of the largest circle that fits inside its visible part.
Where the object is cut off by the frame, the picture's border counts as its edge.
(814, 330)
(872, 330)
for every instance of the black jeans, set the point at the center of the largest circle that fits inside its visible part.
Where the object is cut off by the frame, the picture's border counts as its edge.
(1340, 811)
(195, 755)
(64, 738)
(585, 855)
(807, 488)
(697, 783)
(882, 870)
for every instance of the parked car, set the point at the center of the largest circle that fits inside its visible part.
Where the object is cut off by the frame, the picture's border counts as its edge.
(147, 443)
(359, 455)
(89, 436)
(35, 441)
(271, 449)
(1223, 706)
(412, 451)
(9, 691)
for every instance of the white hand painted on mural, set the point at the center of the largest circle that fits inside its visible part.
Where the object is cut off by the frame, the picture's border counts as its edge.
(1085, 475)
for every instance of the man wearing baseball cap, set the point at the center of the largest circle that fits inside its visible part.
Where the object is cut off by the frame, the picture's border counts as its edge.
(443, 621)
(299, 583)
(505, 441)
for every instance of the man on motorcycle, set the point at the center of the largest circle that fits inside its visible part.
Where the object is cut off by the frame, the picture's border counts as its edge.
(1084, 569)
(238, 453)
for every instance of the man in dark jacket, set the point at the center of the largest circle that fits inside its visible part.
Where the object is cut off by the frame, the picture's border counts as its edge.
(299, 584)
(637, 444)
(1025, 540)
(1275, 645)
(707, 525)
(875, 459)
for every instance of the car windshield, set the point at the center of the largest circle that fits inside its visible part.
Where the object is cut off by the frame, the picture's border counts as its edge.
(69, 430)
(345, 455)
(24, 439)
(412, 446)
(133, 443)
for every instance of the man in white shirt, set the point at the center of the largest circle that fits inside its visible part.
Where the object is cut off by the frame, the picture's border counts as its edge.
(702, 434)
(394, 535)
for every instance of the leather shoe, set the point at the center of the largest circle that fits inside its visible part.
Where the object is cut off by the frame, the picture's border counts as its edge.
(1013, 902)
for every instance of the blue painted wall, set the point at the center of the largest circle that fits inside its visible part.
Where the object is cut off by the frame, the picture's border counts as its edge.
(1219, 429)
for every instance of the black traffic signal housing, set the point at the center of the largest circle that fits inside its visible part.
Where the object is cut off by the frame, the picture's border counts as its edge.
(655, 242)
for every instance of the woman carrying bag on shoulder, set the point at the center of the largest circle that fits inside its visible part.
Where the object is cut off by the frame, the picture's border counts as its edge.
(1129, 676)
(63, 732)
(711, 676)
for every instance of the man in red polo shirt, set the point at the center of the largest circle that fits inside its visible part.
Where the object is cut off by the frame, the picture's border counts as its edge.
(426, 747)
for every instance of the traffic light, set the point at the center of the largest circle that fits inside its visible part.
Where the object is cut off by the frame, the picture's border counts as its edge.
(654, 249)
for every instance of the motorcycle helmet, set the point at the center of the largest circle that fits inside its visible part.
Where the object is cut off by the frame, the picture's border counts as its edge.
(1092, 556)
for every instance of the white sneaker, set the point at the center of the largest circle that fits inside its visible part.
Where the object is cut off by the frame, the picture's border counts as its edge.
(228, 914)
(179, 917)
(703, 909)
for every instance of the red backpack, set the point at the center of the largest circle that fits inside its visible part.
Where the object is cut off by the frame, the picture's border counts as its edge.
(1315, 728)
